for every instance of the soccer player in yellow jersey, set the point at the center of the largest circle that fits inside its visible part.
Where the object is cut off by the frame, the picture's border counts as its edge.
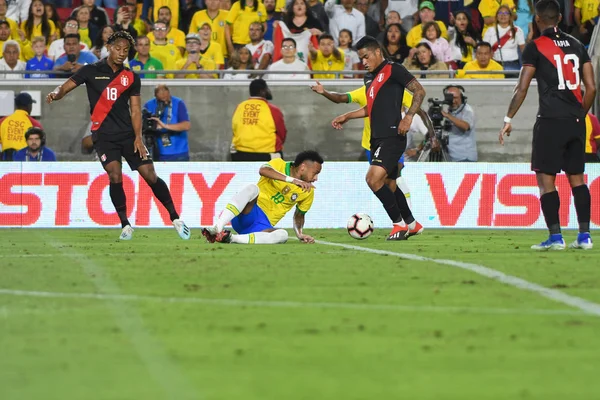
(256, 209)
(359, 96)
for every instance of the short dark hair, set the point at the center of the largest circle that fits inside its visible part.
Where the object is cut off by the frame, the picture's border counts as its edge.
(73, 36)
(121, 35)
(72, 19)
(483, 44)
(368, 42)
(308, 155)
(548, 11)
(257, 86)
(326, 36)
(289, 39)
(4, 22)
(168, 8)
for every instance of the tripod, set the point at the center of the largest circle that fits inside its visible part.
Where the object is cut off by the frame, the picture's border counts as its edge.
(427, 153)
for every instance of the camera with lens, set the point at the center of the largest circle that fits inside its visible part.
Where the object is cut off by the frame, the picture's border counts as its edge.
(436, 144)
(150, 129)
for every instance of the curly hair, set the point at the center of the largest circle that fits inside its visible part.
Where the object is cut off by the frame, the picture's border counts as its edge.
(121, 35)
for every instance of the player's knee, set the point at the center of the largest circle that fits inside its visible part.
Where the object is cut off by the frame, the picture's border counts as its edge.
(374, 182)
(115, 176)
(281, 235)
(251, 190)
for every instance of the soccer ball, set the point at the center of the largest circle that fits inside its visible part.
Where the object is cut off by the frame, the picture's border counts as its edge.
(360, 226)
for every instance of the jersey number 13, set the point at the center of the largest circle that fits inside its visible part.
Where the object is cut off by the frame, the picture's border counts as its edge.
(565, 60)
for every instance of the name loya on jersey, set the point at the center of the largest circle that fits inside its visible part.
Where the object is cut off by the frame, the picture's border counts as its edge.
(562, 43)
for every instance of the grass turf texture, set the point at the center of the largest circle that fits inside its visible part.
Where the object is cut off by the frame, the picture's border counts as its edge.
(434, 332)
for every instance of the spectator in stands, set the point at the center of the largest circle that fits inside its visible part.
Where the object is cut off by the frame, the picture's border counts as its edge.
(109, 4)
(351, 60)
(40, 62)
(193, 60)
(483, 62)
(12, 24)
(395, 43)
(57, 48)
(463, 39)
(167, 53)
(371, 26)
(258, 126)
(11, 52)
(344, 16)
(87, 29)
(289, 62)
(210, 50)
(225, 5)
(241, 15)
(299, 18)
(138, 24)
(54, 17)
(143, 61)
(98, 15)
(38, 24)
(489, 8)
(462, 145)
(585, 10)
(174, 35)
(240, 60)
(74, 58)
(4, 33)
(525, 13)
(216, 18)
(317, 9)
(391, 18)
(427, 14)
(188, 14)
(592, 139)
(327, 58)
(506, 40)
(272, 16)
(124, 21)
(260, 49)
(408, 10)
(36, 149)
(156, 5)
(99, 48)
(439, 45)
(173, 125)
(18, 10)
(14, 126)
(424, 60)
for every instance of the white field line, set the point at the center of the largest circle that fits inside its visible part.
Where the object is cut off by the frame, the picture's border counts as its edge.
(586, 306)
(164, 372)
(286, 304)
(137, 253)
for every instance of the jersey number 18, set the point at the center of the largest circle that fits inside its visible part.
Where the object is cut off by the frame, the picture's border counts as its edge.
(111, 93)
(562, 83)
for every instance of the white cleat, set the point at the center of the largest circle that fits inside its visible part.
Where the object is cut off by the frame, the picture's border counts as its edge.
(583, 242)
(126, 233)
(182, 229)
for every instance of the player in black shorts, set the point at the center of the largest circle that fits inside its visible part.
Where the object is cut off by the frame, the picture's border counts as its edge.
(559, 63)
(385, 83)
(117, 130)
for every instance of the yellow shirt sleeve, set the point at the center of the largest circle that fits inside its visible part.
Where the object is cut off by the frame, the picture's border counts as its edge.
(304, 205)
(262, 12)
(278, 164)
(234, 11)
(358, 96)
(443, 29)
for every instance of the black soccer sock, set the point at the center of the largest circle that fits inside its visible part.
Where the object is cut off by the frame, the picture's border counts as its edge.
(161, 191)
(387, 198)
(550, 206)
(583, 202)
(117, 195)
(403, 206)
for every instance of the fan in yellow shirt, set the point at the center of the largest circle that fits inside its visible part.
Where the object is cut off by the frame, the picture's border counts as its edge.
(327, 58)
(489, 8)
(174, 35)
(483, 62)
(585, 10)
(216, 19)
(194, 60)
(427, 14)
(173, 6)
(241, 15)
(256, 209)
(32, 30)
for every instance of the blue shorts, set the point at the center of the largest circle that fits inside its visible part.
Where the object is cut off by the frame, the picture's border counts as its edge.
(256, 221)
(401, 160)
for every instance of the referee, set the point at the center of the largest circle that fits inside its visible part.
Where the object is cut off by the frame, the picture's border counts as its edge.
(114, 94)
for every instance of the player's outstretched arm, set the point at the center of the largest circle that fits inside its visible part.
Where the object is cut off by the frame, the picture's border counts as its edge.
(342, 119)
(519, 94)
(271, 173)
(298, 226)
(590, 86)
(60, 91)
(331, 96)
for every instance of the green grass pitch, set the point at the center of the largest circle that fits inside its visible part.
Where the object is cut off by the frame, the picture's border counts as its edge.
(83, 316)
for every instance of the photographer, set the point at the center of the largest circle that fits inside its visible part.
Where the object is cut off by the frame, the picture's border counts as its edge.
(460, 126)
(165, 126)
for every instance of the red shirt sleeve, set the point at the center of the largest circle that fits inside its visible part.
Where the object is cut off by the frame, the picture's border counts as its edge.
(280, 130)
(35, 123)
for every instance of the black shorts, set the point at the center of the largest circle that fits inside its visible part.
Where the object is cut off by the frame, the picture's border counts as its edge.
(114, 149)
(558, 144)
(385, 152)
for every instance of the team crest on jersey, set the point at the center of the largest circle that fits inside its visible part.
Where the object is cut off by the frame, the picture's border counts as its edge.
(124, 80)
(380, 77)
(259, 14)
(221, 23)
(285, 190)
(330, 63)
(294, 196)
(103, 157)
(171, 41)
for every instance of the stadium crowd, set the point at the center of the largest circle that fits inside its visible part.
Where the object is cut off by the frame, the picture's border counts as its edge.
(276, 35)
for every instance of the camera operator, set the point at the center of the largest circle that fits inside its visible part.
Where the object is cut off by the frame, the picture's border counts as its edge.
(460, 126)
(166, 124)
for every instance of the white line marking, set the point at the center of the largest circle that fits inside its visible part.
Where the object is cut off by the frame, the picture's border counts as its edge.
(287, 304)
(164, 372)
(584, 305)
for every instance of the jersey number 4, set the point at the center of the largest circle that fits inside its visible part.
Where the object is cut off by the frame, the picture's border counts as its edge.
(111, 93)
(562, 83)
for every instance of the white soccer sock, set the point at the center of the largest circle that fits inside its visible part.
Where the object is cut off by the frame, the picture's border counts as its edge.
(275, 237)
(236, 205)
(401, 183)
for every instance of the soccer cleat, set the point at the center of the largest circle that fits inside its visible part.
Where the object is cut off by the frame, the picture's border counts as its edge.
(182, 229)
(126, 233)
(417, 230)
(223, 237)
(583, 242)
(554, 242)
(399, 232)
(210, 236)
